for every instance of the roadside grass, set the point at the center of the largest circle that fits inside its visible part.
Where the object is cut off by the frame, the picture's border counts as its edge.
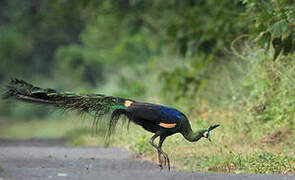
(228, 152)
(1, 169)
(254, 102)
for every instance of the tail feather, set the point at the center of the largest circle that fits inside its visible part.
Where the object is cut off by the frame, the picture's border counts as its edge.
(98, 104)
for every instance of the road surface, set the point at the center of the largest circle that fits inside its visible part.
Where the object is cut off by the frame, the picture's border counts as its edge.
(51, 159)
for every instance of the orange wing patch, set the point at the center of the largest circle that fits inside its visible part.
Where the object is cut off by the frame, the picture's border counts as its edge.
(165, 125)
(128, 103)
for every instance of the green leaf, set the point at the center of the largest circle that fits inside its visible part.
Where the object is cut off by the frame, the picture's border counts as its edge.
(279, 28)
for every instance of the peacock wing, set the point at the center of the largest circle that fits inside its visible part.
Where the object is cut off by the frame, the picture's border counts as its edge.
(154, 112)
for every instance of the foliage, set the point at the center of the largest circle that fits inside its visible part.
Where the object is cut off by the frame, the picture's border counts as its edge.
(186, 80)
(32, 33)
(206, 26)
(130, 88)
(83, 40)
(271, 22)
(274, 23)
(133, 48)
(266, 97)
(72, 60)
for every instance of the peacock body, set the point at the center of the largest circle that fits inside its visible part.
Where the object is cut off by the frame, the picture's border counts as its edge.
(161, 120)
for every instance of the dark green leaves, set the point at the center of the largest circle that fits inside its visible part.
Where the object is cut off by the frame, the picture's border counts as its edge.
(207, 27)
(289, 44)
(279, 28)
(277, 45)
(273, 21)
(285, 45)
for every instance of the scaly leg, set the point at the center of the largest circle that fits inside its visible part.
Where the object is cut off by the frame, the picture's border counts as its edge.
(162, 138)
(159, 152)
(155, 146)
(159, 149)
(160, 159)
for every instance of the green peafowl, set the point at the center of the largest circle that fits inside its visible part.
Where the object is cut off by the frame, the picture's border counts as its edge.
(161, 120)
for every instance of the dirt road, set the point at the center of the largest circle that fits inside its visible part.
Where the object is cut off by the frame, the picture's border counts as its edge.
(50, 159)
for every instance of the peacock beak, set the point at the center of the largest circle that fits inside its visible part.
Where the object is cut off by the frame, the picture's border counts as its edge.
(213, 127)
(210, 129)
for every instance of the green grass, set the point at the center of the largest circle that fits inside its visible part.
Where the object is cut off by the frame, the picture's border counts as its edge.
(269, 163)
(255, 109)
(1, 169)
(224, 154)
(261, 162)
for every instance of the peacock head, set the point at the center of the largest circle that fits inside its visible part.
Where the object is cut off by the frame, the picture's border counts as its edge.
(206, 132)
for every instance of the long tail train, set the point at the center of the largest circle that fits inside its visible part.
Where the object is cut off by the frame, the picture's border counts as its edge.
(98, 104)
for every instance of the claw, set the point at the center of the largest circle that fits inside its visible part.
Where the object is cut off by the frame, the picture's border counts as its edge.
(160, 162)
(165, 162)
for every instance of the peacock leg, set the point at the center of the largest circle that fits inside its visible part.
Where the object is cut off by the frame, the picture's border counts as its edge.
(160, 159)
(160, 154)
(162, 138)
(155, 146)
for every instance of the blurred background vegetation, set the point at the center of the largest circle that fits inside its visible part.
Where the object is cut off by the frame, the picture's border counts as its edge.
(229, 61)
